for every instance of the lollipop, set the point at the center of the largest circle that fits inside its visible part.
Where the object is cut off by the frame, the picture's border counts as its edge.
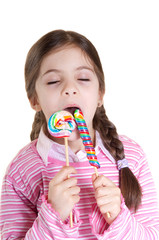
(83, 130)
(60, 125)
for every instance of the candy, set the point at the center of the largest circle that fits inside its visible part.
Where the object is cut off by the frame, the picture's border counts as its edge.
(84, 134)
(61, 124)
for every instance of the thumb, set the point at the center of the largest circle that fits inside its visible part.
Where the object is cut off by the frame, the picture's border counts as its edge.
(94, 177)
(62, 175)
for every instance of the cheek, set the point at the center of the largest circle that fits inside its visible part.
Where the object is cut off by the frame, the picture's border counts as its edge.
(90, 108)
(47, 105)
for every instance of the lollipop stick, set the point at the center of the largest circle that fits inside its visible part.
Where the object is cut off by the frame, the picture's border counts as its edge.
(66, 151)
(108, 214)
(96, 171)
(97, 174)
(67, 164)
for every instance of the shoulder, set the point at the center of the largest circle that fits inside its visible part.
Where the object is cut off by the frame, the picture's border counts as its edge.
(25, 162)
(133, 152)
(24, 175)
(131, 147)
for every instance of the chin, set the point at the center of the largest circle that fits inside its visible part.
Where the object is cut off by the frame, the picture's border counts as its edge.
(74, 136)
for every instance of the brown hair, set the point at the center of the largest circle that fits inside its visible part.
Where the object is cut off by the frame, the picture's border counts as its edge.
(129, 185)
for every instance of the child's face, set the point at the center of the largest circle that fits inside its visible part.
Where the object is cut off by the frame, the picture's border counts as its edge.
(67, 79)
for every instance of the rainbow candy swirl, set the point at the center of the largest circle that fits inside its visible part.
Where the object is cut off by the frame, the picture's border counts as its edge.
(83, 130)
(61, 124)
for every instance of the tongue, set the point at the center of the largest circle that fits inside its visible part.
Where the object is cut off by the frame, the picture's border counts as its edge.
(70, 109)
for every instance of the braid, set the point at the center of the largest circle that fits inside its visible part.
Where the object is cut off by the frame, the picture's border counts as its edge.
(129, 185)
(108, 134)
(39, 120)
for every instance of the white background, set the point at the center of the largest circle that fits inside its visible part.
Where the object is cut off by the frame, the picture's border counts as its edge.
(126, 35)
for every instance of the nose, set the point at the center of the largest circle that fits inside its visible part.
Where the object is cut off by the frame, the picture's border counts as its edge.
(70, 90)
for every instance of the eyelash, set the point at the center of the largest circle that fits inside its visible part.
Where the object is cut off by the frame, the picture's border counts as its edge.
(53, 82)
(84, 79)
(80, 79)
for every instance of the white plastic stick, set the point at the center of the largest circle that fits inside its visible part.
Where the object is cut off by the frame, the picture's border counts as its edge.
(67, 164)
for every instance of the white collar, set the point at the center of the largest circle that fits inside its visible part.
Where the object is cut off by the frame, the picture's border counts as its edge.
(46, 147)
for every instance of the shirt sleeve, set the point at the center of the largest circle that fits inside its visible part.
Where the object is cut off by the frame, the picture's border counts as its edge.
(20, 219)
(144, 224)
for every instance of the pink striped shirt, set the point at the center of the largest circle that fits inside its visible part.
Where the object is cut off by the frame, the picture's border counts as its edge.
(26, 214)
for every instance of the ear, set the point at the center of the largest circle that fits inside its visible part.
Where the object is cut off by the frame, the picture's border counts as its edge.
(100, 104)
(100, 100)
(35, 104)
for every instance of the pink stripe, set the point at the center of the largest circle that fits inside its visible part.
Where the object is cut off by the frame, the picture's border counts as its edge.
(24, 214)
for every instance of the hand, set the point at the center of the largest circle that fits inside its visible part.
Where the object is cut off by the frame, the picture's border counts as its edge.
(108, 197)
(63, 192)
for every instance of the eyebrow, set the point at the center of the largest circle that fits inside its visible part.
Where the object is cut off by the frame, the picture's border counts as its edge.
(51, 70)
(77, 69)
(85, 67)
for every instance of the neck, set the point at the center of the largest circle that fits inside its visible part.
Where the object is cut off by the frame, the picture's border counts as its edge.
(76, 146)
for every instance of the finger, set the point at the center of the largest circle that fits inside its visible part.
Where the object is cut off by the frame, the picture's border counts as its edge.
(105, 208)
(110, 207)
(94, 176)
(74, 190)
(103, 200)
(68, 183)
(75, 199)
(63, 175)
(103, 191)
(102, 181)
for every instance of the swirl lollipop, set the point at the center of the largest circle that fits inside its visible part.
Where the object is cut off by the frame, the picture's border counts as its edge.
(83, 130)
(60, 125)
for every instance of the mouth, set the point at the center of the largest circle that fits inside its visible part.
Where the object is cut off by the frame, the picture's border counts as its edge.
(71, 109)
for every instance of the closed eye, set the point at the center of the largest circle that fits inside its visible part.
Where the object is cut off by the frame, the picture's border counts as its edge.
(84, 79)
(52, 82)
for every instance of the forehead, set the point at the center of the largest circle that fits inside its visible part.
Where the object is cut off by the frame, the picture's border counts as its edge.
(67, 55)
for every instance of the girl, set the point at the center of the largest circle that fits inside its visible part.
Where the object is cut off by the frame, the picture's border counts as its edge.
(63, 72)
